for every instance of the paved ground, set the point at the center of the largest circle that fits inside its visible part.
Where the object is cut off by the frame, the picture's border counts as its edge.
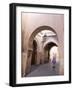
(44, 70)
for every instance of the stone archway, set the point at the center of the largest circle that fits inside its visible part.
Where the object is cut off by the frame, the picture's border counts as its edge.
(47, 49)
(36, 31)
(51, 40)
(30, 44)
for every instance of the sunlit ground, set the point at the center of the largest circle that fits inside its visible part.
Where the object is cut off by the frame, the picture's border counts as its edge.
(47, 69)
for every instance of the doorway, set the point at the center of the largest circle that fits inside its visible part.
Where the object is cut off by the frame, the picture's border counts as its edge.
(47, 51)
(34, 53)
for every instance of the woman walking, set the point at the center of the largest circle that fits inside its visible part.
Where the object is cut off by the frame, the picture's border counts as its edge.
(54, 61)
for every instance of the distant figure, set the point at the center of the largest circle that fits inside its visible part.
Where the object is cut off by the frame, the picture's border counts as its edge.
(54, 61)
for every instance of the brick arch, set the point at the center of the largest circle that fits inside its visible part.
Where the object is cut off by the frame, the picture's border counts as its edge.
(36, 31)
(49, 41)
(53, 44)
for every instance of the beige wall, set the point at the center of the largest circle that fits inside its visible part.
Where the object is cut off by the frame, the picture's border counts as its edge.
(31, 21)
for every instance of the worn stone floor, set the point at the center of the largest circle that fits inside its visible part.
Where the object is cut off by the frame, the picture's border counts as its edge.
(44, 70)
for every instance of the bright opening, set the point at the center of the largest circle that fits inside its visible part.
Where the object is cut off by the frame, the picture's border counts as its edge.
(54, 52)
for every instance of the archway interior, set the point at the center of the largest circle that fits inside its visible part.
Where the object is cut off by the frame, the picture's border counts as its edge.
(38, 31)
(34, 53)
(49, 52)
(42, 37)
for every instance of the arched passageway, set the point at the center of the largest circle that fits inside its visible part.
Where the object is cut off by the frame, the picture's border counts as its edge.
(32, 48)
(47, 49)
(36, 31)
